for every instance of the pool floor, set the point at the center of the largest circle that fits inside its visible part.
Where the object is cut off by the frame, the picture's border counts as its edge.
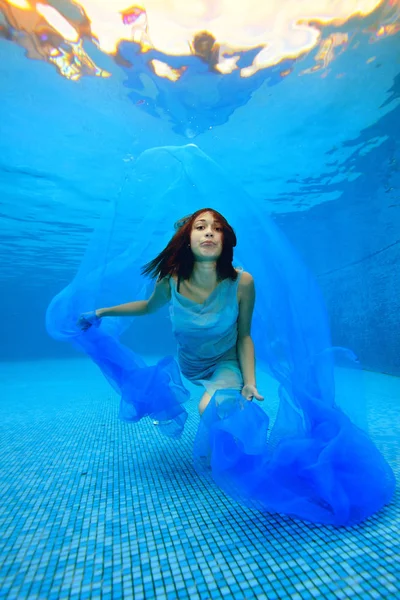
(95, 508)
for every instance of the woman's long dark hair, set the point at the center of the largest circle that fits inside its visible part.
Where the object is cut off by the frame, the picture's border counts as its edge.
(177, 257)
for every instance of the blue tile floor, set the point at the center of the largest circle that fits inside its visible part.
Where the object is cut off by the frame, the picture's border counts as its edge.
(95, 508)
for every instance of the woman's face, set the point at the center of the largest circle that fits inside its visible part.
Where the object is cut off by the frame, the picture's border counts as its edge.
(206, 238)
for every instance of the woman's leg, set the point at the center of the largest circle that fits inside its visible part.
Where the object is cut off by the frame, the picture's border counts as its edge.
(205, 399)
(227, 375)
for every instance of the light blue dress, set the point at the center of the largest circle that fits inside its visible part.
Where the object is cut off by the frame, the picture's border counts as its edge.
(207, 334)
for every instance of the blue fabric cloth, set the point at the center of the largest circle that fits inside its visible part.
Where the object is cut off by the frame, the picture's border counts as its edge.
(328, 473)
(316, 462)
(146, 391)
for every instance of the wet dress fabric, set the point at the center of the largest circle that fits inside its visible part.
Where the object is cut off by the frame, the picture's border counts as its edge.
(206, 335)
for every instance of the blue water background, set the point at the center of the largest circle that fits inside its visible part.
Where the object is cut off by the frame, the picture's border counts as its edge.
(93, 507)
(321, 151)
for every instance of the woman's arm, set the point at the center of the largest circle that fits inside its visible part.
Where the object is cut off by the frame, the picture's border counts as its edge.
(160, 296)
(245, 346)
(130, 309)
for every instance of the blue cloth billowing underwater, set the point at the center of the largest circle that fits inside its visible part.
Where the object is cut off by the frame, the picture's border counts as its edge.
(146, 391)
(316, 460)
(330, 473)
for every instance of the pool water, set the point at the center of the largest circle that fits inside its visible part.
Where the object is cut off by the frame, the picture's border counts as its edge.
(92, 507)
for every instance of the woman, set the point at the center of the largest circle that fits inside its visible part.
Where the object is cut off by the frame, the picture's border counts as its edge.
(315, 463)
(211, 305)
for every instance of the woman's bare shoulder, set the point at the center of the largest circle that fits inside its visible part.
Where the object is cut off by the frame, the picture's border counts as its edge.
(246, 279)
(246, 287)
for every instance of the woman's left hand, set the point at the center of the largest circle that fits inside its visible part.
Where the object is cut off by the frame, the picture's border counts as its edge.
(250, 391)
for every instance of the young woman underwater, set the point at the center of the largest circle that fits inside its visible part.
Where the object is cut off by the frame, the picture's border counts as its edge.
(211, 305)
(313, 462)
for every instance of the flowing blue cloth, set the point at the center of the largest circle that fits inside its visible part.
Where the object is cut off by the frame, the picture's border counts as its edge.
(328, 473)
(316, 462)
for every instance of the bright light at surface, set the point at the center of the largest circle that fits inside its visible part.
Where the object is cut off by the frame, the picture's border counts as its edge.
(216, 31)
(285, 27)
(57, 21)
(20, 4)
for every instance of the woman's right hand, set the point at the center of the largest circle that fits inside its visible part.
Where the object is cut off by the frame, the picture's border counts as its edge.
(88, 320)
